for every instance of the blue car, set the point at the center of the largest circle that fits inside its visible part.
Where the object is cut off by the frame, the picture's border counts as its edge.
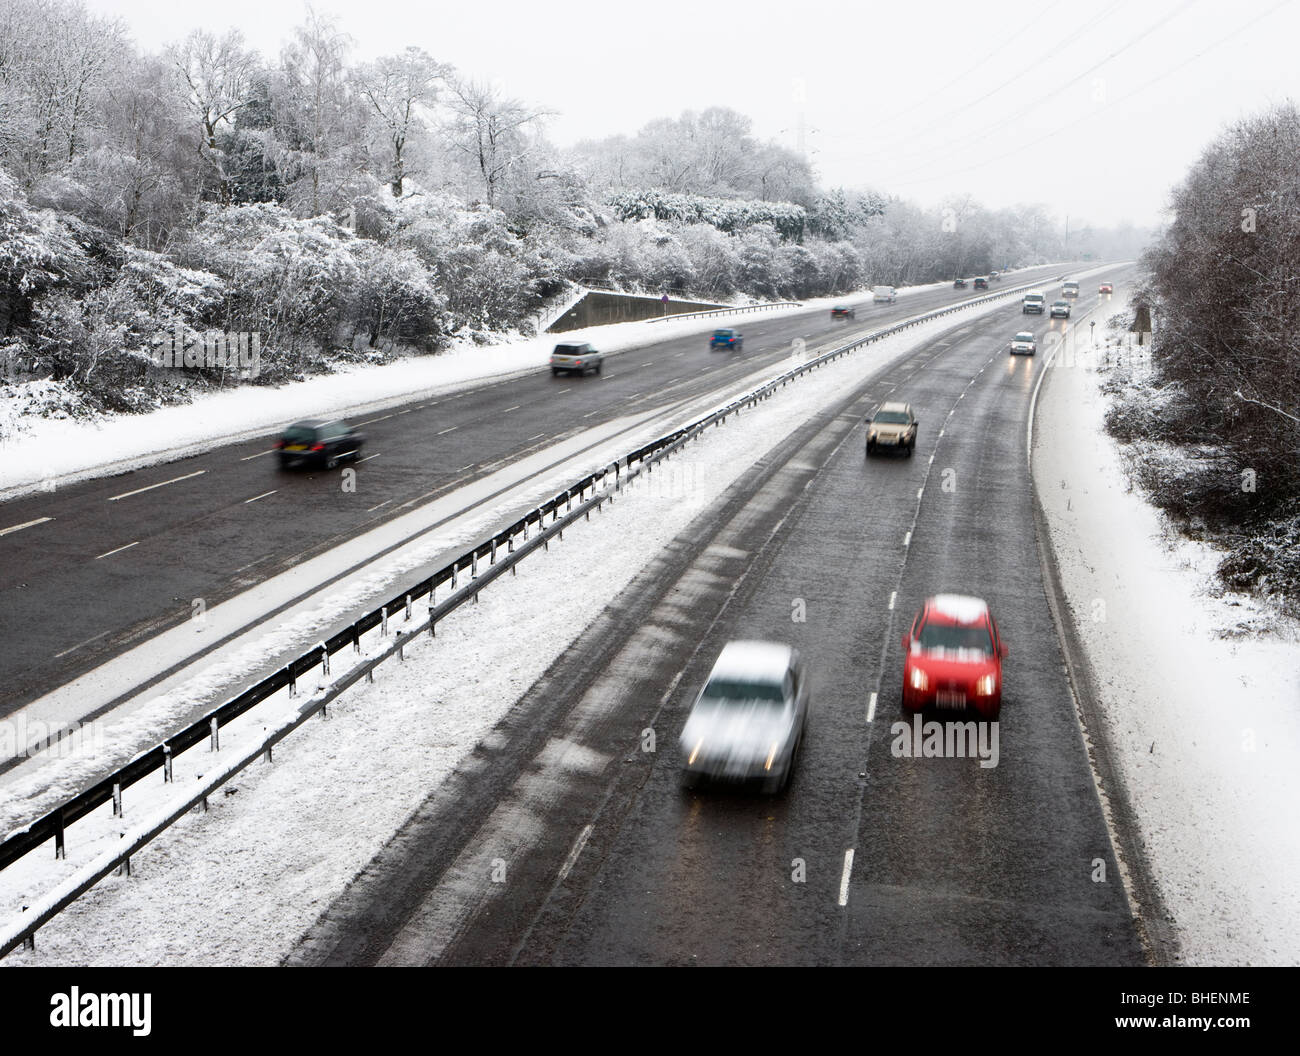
(728, 339)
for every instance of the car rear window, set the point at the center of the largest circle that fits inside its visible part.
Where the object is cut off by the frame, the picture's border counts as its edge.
(570, 350)
(299, 434)
(952, 638)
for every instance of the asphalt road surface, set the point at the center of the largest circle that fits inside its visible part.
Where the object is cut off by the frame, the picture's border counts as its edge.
(563, 840)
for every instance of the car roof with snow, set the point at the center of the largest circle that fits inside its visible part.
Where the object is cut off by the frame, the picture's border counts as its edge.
(958, 608)
(753, 662)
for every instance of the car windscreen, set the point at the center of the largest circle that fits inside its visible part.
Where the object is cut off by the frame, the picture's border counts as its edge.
(726, 691)
(945, 638)
(891, 418)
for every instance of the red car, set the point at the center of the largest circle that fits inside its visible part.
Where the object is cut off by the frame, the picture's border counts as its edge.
(1105, 287)
(953, 657)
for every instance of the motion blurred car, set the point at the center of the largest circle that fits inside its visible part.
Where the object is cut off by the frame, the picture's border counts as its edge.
(576, 359)
(318, 442)
(1033, 304)
(1060, 310)
(1070, 289)
(1105, 287)
(1023, 344)
(748, 721)
(952, 657)
(981, 284)
(888, 294)
(728, 339)
(841, 312)
(994, 276)
(892, 428)
(958, 284)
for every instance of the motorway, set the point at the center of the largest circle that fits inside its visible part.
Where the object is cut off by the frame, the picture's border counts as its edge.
(564, 841)
(91, 570)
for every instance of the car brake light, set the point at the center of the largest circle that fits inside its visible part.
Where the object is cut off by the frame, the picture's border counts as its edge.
(318, 447)
(279, 443)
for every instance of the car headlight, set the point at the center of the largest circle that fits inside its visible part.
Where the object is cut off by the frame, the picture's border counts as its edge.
(771, 755)
(695, 752)
(986, 685)
(919, 679)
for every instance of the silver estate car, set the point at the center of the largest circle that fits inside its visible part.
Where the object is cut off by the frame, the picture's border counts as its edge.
(748, 721)
(578, 358)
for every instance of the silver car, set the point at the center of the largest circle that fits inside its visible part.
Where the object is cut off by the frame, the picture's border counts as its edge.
(575, 357)
(1024, 343)
(748, 721)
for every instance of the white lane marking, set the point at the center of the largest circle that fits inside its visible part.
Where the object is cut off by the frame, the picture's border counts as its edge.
(380, 506)
(514, 408)
(907, 539)
(451, 430)
(163, 484)
(369, 420)
(407, 411)
(80, 644)
(558, 391)
(369, 457)
(268, 451)
(590, 413)
(871, 708)
(844, 880)
(119, 549)
(632, 397)
(463, 468)
(537, 437)
(578, 845)
(25, 524)
(919, 493)
(650, 364)
(893, 596)
(262, 496)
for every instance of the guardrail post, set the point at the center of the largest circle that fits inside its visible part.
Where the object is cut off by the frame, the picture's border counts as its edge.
(29, 943)
(214, 744)
(60, 848)
(293, 682)
(356, 639)
(408, 608)
(492, 557)
(167, 764)
(473, 564)
(324, 661)
(268, 753)
(453, 574)
(383, 620)
(117, 799)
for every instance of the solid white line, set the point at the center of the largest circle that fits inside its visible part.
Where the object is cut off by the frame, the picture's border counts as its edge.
(893, 596)
(537, 437)
(844, 880)
(514, 408)
(871, 708)
(268, 451)
(26, 524)
(558, 391)
(380, 506)
(451, 430)
(119, 549)
(572, 860)
(128, 494)
(262, 496)
(919, 493)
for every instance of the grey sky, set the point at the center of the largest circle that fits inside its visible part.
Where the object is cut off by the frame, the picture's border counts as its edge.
(891, 93)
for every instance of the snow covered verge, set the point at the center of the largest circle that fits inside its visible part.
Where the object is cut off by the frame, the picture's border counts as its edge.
(240, 884)
(1198, 688)
(43, 452)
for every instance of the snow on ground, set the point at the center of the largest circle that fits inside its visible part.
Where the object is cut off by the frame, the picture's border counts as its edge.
(37, 452)
(1203, 720)
(240, 884)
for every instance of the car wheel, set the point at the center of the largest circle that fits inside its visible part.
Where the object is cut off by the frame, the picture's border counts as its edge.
(690, 779)
(331, 461)
(911, 449)
(599, 365)
(555, 372)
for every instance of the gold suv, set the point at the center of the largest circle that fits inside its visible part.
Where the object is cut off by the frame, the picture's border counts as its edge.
(892, 428)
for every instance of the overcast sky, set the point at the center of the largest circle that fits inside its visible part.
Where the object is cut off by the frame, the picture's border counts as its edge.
(1093, 109)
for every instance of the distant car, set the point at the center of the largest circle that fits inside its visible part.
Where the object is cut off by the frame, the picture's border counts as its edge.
(994, 276)
(1070, 289)
(841, 312)
(728, 339)
(981, 284)
(893, 428)
(958, 284)
(1023, 344)
(1060, 310)
(952, 657)
(1033, 304)
(576, 359)
(1105, 287)
(887, 294)
(748, 721)
(319, 442)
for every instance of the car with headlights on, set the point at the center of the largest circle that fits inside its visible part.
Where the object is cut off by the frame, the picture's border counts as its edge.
(1060, 310)
(1023, 344)
(748, 721)
(318, 442)
(576, 358)
(841, 311)
(892, 428)
(1032, 304)
(727, 338)
(1070, 289)
(952, 657)
(1105, 287)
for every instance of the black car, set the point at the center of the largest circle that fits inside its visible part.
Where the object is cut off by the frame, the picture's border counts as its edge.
(958, 284)
(842, 312)
(981, 284)
(318, 442)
